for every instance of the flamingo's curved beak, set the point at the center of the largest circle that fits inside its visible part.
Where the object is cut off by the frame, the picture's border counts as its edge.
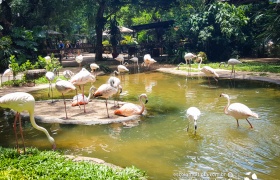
(146, 101)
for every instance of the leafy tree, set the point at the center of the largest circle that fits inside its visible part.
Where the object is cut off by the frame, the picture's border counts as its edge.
(217, 26)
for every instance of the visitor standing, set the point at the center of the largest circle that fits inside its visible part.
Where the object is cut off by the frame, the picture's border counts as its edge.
(60, 45)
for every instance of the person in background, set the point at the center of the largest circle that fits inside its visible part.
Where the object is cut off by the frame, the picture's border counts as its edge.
(78, 44)
(60, 45)
(68, 46)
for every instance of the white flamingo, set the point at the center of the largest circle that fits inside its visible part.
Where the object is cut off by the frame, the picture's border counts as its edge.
(106, 91)
(238, 110)
(122, 69)
(48, 59)
(130, 109)
(188, 58)
(68, 74)
(8, 72)
(81, 78)
(193, 114)
(50, 77)
(208, 71)
(148, 60)
(63, 87)
(116, 84)
(21, 101)
(80, 100)
(231, 62)
(120, 58)
(79, 60)
(93, 67)
(134, 60)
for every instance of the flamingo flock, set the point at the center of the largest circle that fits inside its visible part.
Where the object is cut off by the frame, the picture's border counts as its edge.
(22, 101)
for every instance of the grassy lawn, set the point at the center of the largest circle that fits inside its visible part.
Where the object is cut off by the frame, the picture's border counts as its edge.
(37, 164)
(245, 66)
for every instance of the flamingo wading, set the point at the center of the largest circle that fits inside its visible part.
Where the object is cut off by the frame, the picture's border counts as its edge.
(120, 58)
(130, 109)
(238, 110)
(208, 71)
(188, 58)
(193, 114)
(148, 60)
(21, 101)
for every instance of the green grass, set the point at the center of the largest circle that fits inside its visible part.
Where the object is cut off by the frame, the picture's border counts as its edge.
(35, 164)
(245, 66)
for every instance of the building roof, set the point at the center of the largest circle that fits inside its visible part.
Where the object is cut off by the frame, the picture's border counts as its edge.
(161, 24)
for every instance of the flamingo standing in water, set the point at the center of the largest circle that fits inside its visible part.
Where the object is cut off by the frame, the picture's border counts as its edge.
(238, 110)
(122, 69)
(81, 78)
(231, 62)
(193, 114)
(208, 71)
(120, 58)
(148, 60)
(188, 58)
(50, 77)
(134, 60)
(130, 109)
(21, 101)
(106, 91)
(80, 100)
(63, 87)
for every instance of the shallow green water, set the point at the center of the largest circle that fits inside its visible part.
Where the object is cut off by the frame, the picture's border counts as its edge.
(160, 144)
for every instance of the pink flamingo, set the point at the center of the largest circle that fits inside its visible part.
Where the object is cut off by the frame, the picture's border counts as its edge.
(208, 71)
(106, 91)
(21, 101)
(238, 110)
(80, 100)
(81, 78)
(130, 109)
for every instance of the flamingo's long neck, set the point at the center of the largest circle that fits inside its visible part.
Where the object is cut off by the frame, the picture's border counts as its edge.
(226, 107)
(89, 95)
(91, 92)
(32, 120)
(142, 105)
(199, 64)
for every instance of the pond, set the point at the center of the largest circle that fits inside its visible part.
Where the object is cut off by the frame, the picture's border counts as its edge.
(160, 144)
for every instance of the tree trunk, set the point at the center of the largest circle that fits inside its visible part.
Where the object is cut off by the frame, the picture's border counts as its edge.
(100, 22)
